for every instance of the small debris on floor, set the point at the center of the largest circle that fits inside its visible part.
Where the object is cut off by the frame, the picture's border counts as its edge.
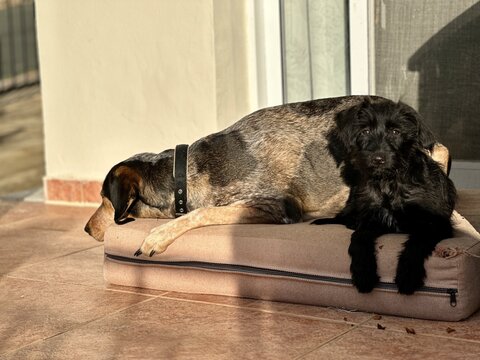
(410, 330)
(450, 330)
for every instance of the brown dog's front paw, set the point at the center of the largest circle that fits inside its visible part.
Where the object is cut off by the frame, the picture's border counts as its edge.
(139, 252)
(155, 243)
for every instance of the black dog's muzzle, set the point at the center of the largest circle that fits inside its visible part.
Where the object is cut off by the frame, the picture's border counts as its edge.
(378, 159)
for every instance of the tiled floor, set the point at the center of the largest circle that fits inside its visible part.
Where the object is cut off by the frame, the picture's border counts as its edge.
(21, 141)
(55, 305)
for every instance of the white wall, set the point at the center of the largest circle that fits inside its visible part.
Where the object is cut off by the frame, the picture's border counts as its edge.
(123, 77)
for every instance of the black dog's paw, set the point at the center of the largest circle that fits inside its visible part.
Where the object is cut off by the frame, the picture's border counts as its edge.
(364, 273)
(348, 222)
(365, 282)
(324, 221)
(410, 276)
(363, 266)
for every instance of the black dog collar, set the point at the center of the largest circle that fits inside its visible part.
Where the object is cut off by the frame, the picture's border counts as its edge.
(180, 175)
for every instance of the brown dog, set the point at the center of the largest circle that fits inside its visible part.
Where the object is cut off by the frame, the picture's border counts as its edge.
(273, 166)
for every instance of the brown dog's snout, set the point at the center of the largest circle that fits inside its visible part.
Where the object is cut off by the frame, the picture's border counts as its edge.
(95, 229)
(100, 220)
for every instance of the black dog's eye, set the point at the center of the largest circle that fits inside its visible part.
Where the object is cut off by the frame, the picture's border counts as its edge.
(366, 131)
(395, 132)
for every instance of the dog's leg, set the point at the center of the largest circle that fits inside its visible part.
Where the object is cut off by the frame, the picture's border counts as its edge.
(162, 236)
(364, 263)
(348, 221)
(424, 236)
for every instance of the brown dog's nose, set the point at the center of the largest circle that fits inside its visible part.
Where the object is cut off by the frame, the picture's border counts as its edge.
(87, 229)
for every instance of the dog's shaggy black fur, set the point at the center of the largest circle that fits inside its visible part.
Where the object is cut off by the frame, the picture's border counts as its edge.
(395, 187)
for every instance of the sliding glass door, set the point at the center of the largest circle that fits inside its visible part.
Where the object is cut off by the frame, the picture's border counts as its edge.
(424, 53)
(315, 49)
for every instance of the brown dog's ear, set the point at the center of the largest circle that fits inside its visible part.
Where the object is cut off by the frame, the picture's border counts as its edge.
(121, 188)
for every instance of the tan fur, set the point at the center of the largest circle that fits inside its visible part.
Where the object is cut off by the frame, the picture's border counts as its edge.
(441, 156)
(100, 220)
(331, 207)
(163, 236)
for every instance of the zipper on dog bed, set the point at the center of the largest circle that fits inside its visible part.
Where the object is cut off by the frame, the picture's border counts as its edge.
(427, 289)
(244, 269)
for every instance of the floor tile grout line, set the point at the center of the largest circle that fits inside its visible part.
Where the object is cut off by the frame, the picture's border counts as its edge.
(102, 317)
(423, 334)
(448, 338)
(77, 326)
(21, 267)
(84, 285)
(364, 326)
(136, 293)
(15, 277)
(334, 338)
(11, 225)
(272, 312)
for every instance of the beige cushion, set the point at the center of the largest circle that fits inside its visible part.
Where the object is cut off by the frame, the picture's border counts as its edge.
(298, 263)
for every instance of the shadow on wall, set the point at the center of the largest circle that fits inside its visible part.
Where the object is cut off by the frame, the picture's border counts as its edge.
(449, 84)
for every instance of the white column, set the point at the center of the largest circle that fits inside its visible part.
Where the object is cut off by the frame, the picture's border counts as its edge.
(361, 47)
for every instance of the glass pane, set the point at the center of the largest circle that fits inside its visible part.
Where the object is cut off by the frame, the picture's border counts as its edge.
(315, 56)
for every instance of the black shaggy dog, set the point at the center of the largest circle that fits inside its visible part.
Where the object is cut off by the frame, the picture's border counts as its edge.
(395, 187)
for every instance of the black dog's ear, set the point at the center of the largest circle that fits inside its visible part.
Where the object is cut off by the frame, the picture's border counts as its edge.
(121, 188)
(425, 136)
(346, 119)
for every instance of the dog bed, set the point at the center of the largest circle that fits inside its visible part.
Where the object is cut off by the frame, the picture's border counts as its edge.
(297, 263)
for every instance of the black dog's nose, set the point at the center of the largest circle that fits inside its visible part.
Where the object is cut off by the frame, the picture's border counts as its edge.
(378, 160)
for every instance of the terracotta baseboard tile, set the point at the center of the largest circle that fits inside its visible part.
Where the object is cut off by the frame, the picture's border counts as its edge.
(91, 191)
(75, 191)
